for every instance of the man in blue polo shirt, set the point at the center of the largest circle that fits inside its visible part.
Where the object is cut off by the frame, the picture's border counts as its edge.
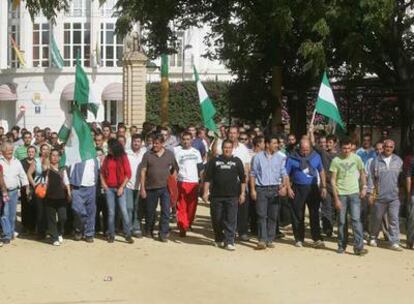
(267, 178)
(303, 168)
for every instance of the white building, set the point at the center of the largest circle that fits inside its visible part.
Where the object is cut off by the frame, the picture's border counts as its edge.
(38, 94)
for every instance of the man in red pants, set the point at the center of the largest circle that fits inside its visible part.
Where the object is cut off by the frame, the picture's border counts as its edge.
(190, 164)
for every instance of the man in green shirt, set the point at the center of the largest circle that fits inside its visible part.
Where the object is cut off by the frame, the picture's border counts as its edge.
(21, 151)
(349, 187)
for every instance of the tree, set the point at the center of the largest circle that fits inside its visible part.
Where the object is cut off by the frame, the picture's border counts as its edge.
(376, 36)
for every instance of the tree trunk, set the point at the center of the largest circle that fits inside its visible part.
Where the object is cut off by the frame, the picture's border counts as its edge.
(406, 103)
(297, 113)
(277, 94)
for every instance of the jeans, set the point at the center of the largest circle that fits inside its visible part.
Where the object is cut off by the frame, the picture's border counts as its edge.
(328, 213)
(84, 207)
(350, 202)
(410, 222)
(152, 201)
(267, 208)
(243, 217)
(111, 200)
(393, 210)
(101, 207)
(223, 212)
(132, 202)
(8, 215)
(308, 194)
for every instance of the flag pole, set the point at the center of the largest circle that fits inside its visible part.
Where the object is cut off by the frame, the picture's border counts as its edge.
(313, 118)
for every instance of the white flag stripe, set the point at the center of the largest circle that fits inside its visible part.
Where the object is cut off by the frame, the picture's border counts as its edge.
(326, 94)
(202, 94)
(72, 149)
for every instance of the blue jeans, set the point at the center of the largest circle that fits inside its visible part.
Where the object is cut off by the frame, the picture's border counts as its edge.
(8, 215)
(267, 209)
(132, 203)
(350, 202)
(152, 201)
(111, 199)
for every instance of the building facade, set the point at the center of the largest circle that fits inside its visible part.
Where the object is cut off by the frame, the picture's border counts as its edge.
(37, 93)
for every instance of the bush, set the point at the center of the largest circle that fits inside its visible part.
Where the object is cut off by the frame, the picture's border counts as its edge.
(184, 106)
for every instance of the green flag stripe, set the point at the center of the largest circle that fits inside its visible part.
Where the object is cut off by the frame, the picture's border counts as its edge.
(328, 109)
(81, 95)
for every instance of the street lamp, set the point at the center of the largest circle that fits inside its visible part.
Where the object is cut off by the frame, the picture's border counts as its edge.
(186, 47)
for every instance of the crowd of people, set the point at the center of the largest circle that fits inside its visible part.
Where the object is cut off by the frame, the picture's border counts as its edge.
(255, 181)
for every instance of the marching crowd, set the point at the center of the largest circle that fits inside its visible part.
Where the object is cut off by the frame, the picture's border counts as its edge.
(254, 180)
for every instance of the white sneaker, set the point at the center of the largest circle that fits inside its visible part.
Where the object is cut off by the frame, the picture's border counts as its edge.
(56, 243)
(365, 242)
(16, 234)
(60, 239)
(1, 244)
(230, 247)
(219, 244)
(373, 243)
(299, 244)
(396, 247)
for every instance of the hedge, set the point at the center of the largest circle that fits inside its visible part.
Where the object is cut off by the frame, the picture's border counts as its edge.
(184, 107)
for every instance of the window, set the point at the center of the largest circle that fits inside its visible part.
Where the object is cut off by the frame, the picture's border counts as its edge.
(114, 111)
(79, 8)
(14, 13)
(14, 31)
(111, 46)
(176, 59)
(107, 9)
(41, 45)
(76, 39)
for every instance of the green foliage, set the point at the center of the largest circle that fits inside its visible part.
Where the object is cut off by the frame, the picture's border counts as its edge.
(49, 8)
(184, 106)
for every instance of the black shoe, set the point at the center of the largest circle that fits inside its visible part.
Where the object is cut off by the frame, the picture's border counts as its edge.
(129, 239)
(89, 239)
(110, 239)
(340, 250)
(360, 251)
(137, 234)
(183, 233)
(244, 238)
(163, 239)
(410, 245)
(6, 241)
(78, 236)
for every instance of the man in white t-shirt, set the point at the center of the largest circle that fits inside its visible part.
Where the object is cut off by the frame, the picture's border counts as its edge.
(240, 150)
(135, 155)
(190, 164)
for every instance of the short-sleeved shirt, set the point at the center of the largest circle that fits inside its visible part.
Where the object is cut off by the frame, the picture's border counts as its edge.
(347, 173)
(188, 162)
(225, 176)
(199, 145)
(21, 152)
(243, 153)
(158, 168)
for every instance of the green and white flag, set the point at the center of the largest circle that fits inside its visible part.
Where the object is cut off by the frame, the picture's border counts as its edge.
(79, 144)
(55, 54)
(326, 104)
(207, 108)
(83, 93)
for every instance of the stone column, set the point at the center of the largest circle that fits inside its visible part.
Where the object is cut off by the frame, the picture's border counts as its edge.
(134, 88)
(26, 35)
(4, 36)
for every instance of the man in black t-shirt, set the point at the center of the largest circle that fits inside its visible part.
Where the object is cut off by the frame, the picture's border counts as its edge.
(226, 182)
